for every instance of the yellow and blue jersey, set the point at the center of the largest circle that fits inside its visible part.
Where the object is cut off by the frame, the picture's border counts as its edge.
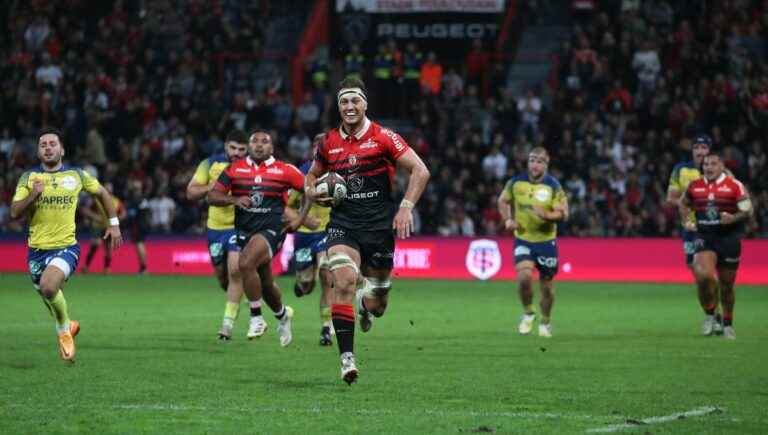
(52, 217)
(682, 175)
(322, 214)
(207, 172)
(524, 194)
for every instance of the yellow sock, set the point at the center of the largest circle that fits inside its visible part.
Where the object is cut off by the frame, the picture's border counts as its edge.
(325, 314)
(231, 311)
(59, 307)
(529, 309)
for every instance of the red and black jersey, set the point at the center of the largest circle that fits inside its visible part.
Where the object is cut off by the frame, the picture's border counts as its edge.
(366, 160)
(266, 184)
(710, 198)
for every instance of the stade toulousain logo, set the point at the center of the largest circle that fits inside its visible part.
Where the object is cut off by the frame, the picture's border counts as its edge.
(483, 258)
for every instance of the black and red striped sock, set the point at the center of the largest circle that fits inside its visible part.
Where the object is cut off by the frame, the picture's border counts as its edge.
(709, 309)
(343, 316)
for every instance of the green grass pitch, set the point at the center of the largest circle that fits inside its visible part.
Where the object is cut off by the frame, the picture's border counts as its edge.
(626, 358)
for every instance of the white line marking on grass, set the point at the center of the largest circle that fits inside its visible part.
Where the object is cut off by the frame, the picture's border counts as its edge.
(697, 412)
(433, 412)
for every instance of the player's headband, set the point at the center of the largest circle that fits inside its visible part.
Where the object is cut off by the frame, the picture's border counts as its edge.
(351, 91)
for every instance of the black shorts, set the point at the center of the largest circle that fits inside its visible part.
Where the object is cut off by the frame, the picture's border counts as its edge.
(138, 233)
(727, 248)
(376, 247)
(274, 237)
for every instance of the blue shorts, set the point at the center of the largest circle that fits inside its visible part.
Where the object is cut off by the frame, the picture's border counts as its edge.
(543, 254)
(220, 243)
(64, 259)
(688, 246)
(305, 248)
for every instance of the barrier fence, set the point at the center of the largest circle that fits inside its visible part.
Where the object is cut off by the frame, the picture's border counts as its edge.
(623, 260)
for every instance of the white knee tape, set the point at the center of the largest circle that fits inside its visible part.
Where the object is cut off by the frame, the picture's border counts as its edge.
(322, 261)
(339, 260)
(379, 286)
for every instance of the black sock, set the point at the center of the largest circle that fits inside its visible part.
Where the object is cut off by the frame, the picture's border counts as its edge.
(297, 290)
(255, 311)
(280, 314)
(89, 257)
(343, 317)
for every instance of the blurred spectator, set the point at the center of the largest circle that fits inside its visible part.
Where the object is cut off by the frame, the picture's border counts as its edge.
(529, 107)
(431, 75)
(162, 209)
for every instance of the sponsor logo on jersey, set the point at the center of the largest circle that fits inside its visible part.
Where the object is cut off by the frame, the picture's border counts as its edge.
(369, 144)
(364, 195)
(395, 139)
(724, 189)
(242, 170)
(275, 171)
(56, 200)
(335, 150)
(483, 258)
(68, 182)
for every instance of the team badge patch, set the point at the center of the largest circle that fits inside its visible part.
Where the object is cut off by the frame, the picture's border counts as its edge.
(256, 198)
(483, 258)
(542, 194)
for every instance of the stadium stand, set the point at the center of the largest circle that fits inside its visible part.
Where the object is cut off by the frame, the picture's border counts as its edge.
(143, 93)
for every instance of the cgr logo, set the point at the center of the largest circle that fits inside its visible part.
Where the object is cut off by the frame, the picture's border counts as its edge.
(550, 262)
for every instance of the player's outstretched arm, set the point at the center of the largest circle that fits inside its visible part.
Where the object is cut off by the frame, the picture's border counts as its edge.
(112, 234)
(25, 197)
(417, 182)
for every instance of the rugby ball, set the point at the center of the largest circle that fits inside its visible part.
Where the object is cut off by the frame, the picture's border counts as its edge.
(332, 185)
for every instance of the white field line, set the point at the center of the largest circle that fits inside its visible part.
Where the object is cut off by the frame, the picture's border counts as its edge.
(435, 412)
(697, 412)
(318, 410)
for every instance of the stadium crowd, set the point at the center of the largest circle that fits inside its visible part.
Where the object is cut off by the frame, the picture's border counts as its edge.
(140, 101)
